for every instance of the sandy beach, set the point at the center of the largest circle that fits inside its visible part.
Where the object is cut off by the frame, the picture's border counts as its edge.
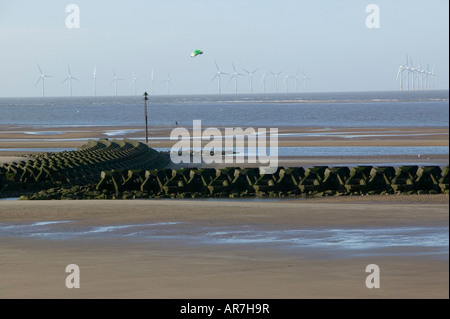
(19, 140)
(114, 267)
(187, 265)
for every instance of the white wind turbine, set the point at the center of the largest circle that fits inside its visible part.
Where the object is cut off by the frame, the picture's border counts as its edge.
(217, 75)
(70, 77)
(94, 77)
(304, 81)
(286, 81)
(419, 76)
(115, 79)
(235, 75)
(133, 82)
(275, 79)
(408, 72)
(295, 77)
(263, 82)
(250, 74)
(400, 75)
(432, 77)
(168, 82)
(42, 78)
(414, 72)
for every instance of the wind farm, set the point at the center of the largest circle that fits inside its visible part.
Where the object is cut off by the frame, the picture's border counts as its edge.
(415, 78)
(410, 76)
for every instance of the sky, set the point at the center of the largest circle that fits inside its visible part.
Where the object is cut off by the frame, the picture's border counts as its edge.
(327, 40)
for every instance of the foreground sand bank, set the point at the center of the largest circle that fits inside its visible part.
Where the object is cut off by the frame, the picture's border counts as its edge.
(116, 268)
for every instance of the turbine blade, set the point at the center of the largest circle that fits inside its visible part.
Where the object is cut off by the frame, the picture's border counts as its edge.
(217, 67)
(68, 68)
(65, 80)
(214, 77)
(38, 81)
(75, 78)
(40, 70)
(246, 71)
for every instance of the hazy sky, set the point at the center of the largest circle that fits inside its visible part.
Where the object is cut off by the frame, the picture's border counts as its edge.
(329, 40)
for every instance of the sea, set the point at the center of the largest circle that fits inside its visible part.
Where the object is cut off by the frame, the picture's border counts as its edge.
(343, 109)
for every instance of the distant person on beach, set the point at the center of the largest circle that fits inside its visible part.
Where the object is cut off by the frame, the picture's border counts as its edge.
(176, 123)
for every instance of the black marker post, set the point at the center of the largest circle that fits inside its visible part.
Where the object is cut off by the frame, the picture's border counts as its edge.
(146, 122)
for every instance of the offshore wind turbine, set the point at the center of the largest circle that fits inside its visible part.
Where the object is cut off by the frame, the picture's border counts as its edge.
(217, 75)
(94, 77)
(115, 79)
(263, 82)
(133, 81)
(419, 75)
(286, 81)
(295, 77)
(414, 72)
(304, 81)
(408, 69)
(169, 83)
(432, 75)
(275, 79)
(235, 75)
(42, 78)
(399, 74)
(250, 74)
(70, 77)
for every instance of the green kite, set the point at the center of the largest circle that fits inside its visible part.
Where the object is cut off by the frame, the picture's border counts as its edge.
(195, 53)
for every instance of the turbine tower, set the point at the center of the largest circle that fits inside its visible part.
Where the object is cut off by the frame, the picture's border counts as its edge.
(217, 75)
(275, 79)
(286, 81)
(432, 78)
(70, 77)
(42, 78)
(133, 82)
(115, 79)
(169, 83)
(250, 74)
(94, 77)
(295, 77)
(400, 75)
(263, 82)
(304, 81)
(408, 69)
(235, 76)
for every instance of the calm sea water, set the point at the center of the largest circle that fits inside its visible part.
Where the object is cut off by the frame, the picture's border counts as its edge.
(357, 109)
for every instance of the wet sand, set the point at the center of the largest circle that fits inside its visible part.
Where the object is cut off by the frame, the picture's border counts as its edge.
(20, 137)
(115, 268)
(112, 267)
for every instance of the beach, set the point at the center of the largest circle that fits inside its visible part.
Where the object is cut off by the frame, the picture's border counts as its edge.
(181, 261)
(114, 267)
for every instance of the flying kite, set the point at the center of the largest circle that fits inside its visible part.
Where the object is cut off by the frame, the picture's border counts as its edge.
(195, 53)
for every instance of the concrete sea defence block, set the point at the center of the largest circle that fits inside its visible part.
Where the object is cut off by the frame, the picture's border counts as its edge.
(358, 179)
(404, 179)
